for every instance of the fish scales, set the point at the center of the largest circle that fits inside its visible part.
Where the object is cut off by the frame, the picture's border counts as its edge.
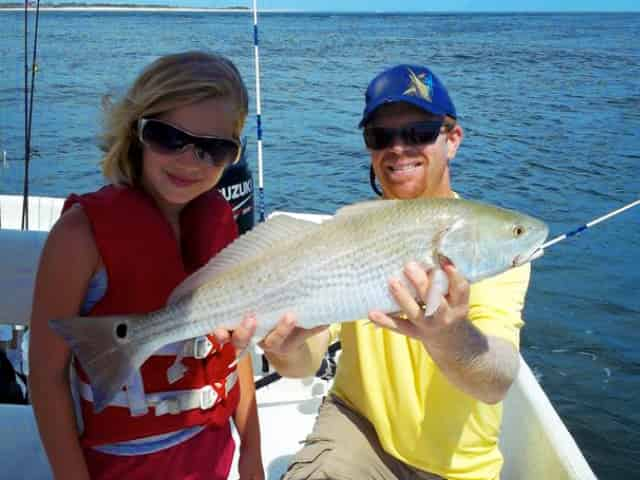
(275, 287)
(354, 257)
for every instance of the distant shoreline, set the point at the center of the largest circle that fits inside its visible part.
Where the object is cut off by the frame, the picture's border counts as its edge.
(115, 8)
(167, 8)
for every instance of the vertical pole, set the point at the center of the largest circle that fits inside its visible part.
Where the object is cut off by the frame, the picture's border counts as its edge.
(258, 112)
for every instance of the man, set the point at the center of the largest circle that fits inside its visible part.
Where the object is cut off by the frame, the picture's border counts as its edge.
(419, 398)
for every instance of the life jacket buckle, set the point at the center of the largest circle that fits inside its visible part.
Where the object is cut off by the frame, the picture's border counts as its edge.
(208, 397)
(202, 347)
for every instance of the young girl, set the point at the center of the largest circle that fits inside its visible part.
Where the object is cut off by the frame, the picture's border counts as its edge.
(123, 249)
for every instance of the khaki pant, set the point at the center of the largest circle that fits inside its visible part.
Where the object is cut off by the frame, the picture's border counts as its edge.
(344, 446)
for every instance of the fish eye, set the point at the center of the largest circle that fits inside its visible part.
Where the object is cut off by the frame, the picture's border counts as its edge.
(518, 231)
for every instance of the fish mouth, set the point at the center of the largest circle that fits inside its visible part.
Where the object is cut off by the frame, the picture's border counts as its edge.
(527, 257)
(539, 234)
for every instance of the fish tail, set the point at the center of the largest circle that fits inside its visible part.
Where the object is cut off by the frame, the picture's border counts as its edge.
(106, 351)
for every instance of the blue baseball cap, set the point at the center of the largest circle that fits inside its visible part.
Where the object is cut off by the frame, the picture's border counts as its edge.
(411, 84)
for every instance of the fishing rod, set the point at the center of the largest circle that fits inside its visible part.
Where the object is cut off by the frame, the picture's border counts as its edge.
(28, 105)
(584, 227)
(256, 52)
(258, 110)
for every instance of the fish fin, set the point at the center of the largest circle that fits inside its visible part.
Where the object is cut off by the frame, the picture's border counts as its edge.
(364, 207)
(440, 238)
(437, 289)
(109, 361)
(448, 242)
(275, 231)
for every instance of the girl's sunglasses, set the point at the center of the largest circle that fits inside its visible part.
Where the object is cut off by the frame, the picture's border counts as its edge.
(167, 139)
(422, 133)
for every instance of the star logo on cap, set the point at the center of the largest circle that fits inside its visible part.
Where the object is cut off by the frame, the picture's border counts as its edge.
(418, 87)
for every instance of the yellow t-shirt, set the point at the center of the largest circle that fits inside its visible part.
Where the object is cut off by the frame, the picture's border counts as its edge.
(421, 418)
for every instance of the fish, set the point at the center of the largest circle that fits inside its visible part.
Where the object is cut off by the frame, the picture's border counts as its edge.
(329, 272)
(418, 87)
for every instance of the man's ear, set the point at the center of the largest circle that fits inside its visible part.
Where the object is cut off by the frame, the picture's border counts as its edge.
(454, 139)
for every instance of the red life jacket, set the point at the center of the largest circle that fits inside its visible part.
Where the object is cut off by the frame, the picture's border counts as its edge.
(144, 264)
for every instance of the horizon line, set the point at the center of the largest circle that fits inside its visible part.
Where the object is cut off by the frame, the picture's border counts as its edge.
(240, 9)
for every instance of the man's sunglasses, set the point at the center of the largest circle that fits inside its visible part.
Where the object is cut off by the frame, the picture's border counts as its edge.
(422, 133)
(164, 138)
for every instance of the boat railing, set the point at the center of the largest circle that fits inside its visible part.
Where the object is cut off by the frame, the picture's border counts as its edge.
(43, 212)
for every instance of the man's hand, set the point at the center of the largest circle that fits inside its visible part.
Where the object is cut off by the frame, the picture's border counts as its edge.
(480, 365)
(451, 312)
(284, 341)
(287, 338)
(293, 351)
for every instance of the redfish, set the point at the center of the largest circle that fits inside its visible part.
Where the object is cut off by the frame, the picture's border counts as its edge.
(335, 271)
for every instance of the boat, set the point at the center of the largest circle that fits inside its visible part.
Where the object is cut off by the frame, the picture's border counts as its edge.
(534, 440)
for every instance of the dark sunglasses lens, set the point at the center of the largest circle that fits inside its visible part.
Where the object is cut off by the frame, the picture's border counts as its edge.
(219, 151)
(422, 134)
(163, 137)
(167, 139)
(377, 138)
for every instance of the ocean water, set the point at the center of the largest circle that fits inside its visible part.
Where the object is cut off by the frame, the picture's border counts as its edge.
(550, 104)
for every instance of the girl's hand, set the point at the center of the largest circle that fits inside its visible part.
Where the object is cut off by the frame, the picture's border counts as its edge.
(240, 336)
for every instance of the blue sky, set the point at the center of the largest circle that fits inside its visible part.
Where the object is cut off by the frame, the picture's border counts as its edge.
(397, 5)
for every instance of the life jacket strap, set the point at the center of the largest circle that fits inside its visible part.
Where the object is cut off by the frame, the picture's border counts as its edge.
(199, 348)
(172, 402)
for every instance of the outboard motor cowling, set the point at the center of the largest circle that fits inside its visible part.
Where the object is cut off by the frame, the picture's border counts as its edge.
(236, 185)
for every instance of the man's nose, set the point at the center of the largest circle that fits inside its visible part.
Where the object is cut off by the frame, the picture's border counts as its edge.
(397, 144)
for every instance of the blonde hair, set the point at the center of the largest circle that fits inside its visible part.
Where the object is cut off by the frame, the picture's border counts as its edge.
(169, 82)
